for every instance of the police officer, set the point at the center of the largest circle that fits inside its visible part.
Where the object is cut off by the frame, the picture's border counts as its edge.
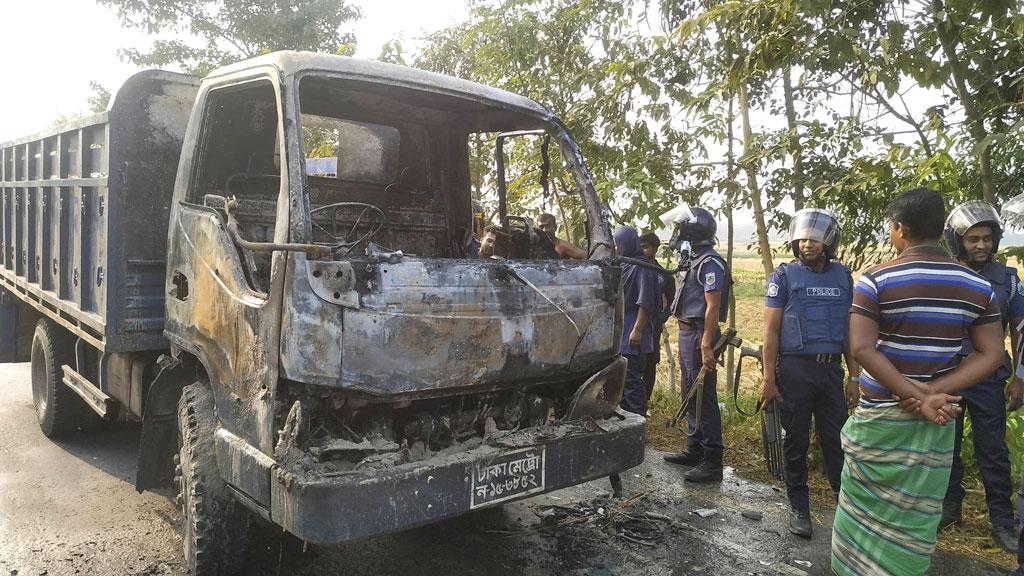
(666, 293)
(805, 328)
(700, 303)
(1013, 216)
(972, 233)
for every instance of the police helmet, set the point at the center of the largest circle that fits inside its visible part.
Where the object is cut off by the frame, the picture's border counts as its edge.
(814, 224)
(966, 216)
(1012, 213)
(694, 225)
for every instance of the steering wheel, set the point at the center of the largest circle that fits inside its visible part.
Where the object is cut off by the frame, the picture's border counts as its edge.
(344, 241)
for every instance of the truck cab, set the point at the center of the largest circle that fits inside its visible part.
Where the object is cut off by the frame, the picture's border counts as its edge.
(337, 359)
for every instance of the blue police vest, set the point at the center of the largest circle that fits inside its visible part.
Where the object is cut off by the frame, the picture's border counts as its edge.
(815, 318)
(689, 303)
(1004, 283)
(1002, 280)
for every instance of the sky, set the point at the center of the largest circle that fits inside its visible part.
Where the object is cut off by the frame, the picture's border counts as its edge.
(53, 48)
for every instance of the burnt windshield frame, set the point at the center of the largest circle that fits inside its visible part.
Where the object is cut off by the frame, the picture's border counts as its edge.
(597, 225)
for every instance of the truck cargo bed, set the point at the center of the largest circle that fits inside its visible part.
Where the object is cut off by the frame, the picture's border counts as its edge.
(83, 233)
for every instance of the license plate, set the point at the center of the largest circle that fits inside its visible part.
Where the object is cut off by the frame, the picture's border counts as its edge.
(508, 476)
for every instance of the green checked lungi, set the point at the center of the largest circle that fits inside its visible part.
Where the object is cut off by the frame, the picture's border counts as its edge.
(894, 478)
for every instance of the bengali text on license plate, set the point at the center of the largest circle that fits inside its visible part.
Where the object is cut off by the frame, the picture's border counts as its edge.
(508, 476)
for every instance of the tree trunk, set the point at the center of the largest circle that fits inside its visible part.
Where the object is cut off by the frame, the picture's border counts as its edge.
(755, 190)
(794, 141)
(667, 346)
(569, 233)
(731, 171)
(975, 118)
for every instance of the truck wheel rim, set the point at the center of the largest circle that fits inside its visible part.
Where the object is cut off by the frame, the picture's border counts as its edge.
(39, 380)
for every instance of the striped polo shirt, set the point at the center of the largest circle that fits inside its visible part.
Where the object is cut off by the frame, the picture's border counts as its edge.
(924, 302)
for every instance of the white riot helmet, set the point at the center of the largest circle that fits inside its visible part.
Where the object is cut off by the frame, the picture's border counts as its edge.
(694, 225)
(966, 216)
(1013, 212)
(814, 224)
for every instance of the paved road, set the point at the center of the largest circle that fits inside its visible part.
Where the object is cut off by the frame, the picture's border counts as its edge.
(69, 507)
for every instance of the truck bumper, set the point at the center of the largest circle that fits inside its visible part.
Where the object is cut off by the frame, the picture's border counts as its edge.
(356, 504)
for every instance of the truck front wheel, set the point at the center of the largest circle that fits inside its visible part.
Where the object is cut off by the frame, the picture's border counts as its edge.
(216, 525)
(58, 409)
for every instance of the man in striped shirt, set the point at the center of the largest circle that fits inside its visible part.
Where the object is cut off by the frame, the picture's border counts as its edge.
(907, 323)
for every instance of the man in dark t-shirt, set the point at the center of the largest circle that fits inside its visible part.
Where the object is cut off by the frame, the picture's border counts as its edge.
(667, 287)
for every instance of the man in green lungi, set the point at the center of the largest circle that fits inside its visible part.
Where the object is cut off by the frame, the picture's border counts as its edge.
(908, 319)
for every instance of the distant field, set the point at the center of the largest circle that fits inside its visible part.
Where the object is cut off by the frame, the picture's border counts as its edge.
(749, 287)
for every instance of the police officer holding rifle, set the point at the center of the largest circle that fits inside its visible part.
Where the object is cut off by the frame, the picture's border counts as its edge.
(701, 302)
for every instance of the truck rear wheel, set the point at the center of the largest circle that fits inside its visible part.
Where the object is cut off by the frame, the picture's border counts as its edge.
(216, 525)
(58, 409)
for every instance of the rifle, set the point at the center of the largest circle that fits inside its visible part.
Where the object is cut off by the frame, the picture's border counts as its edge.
(771, 421)
(696, 391)
(745, 352)
(771, 437)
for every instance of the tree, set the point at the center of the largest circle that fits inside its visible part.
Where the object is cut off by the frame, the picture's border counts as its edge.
(971, 50)
(225, 31)
(646, 107)
(982, 44)
(870, 53)
(590, 63)
(722, 37)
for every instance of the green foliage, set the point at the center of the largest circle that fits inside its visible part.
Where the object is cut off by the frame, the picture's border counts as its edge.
(100, 98)
(392, 52)
(225, 31)
(1015, 441)
(745, 289)
(663, 401)
(590, 63)
(871, 54)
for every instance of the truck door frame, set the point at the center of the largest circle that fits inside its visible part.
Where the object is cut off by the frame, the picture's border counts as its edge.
(244, 388)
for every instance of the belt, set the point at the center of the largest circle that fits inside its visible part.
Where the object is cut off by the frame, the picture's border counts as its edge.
(821, 358)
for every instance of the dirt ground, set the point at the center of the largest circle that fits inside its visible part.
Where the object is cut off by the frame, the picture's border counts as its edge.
(69, 507)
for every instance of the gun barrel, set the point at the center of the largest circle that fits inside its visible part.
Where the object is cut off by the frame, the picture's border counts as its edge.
(771, 436)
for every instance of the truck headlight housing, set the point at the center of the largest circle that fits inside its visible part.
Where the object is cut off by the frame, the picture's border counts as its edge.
(600, 395)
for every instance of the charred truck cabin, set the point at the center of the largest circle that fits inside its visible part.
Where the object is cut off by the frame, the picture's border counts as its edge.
(271, 270)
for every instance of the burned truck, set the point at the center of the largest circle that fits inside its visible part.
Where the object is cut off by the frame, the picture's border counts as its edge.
(270, 269)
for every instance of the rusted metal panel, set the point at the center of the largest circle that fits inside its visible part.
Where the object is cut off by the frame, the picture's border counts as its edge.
(291, 63)
(85, 210)
(248, 469)
(324, 508)
(232, 329)
(430, 325)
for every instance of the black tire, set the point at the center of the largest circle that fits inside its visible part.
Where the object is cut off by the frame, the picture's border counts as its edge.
(216, 526)
(58, 408)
